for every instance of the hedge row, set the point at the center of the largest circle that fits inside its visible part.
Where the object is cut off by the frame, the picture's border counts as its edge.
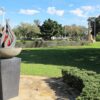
(42, 43)
(87, 82)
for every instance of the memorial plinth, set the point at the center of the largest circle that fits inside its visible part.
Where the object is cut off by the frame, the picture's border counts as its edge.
(9, 77)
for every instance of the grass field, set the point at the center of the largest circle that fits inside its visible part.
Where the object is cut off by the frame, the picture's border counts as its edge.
(50, 61)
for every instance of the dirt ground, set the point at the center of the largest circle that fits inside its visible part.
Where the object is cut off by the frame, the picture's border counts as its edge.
(41, 88)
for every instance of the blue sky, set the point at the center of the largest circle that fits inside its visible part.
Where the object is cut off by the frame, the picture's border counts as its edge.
(66, 12)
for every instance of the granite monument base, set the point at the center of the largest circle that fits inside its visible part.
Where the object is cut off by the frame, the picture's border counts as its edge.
(9, 77)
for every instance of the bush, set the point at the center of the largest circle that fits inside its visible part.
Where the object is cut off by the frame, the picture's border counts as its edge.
(98, 37)
(52, 43)
(87, 82)
(25, 44)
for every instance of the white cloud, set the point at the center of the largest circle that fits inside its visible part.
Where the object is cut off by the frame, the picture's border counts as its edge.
(2, 11)
(54, 11)
(28, 11)
(87, 8)
(78, 12)
(83, 11)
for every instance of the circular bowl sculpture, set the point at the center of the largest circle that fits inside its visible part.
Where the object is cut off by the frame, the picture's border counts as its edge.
(7, 42)
(9, 52)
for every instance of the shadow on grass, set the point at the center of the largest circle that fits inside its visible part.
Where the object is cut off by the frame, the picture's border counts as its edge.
(87, 58)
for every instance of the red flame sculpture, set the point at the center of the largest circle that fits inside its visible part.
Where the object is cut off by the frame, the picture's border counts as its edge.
(8, 39)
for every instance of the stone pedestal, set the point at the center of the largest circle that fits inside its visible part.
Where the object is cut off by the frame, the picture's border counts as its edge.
(9, 77)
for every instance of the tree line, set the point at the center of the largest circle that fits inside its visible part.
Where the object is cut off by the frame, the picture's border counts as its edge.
(94, 27)
(49, 29)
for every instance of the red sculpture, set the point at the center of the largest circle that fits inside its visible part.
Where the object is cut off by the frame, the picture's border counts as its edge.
(8, 39)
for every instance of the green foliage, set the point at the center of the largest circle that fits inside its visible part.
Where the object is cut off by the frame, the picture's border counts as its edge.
(94, 24)
(37, 22)
(98, 24)
(50, 28)
(75, 32)
(55, 43)
(98, 37)
(87, 82)
(26, 31)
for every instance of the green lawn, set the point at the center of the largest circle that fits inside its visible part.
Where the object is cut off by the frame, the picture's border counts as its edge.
(50, 61)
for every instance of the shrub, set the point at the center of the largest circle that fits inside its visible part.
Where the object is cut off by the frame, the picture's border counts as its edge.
(87, 82)
(25, 44)
(52, 43)
(98, 37)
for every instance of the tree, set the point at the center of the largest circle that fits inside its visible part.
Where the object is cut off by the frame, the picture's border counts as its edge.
(67, 30)
(75, 32)
(26, 31)
(97, 25)
(94, 26)
(36, 22)
(50, 28)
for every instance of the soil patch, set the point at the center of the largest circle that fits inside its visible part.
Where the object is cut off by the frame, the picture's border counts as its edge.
(43, 88)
